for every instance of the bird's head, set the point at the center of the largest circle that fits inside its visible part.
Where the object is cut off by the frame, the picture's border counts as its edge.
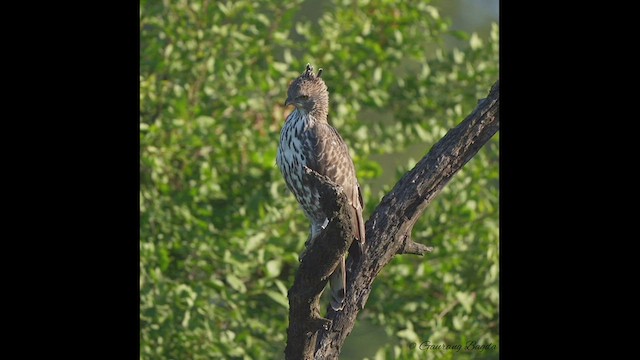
(309, 93)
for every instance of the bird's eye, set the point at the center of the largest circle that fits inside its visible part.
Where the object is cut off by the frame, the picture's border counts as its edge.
(304, 97)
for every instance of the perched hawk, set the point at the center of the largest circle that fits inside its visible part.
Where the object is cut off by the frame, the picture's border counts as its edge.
(308, 140)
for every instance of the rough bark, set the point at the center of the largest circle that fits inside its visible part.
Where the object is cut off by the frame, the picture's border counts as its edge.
(388, 232)
(316, 267)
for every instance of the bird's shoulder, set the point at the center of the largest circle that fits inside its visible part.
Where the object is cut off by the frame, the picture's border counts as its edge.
(322, 137)
(326, 152)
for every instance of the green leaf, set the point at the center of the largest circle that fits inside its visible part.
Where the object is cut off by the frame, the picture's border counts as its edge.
(253, 242)
(277, 297)
(280, 67)
(273, 268)
(465, 299)
(281, 287)
(235, 283)
(409, 334)
(475, 42)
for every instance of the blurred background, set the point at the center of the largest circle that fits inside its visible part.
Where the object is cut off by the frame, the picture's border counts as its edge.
(219, 232)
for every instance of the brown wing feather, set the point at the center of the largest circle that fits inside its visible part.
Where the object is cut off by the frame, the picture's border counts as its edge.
(328, 154)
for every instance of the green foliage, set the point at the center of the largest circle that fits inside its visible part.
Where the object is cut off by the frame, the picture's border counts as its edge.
(220, 234)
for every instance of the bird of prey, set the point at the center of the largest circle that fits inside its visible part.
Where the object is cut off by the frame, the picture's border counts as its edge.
(307, 140)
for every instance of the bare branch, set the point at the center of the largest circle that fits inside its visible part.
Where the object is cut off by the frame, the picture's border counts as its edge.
(411, 247)
(387, 231)
(318, 264)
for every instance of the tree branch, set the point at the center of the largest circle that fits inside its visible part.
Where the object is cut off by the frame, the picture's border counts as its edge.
(388, 232)
(318, 264)
(411, 247)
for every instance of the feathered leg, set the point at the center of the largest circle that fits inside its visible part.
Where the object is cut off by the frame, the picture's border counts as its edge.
(338, 284)
(315, 231)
